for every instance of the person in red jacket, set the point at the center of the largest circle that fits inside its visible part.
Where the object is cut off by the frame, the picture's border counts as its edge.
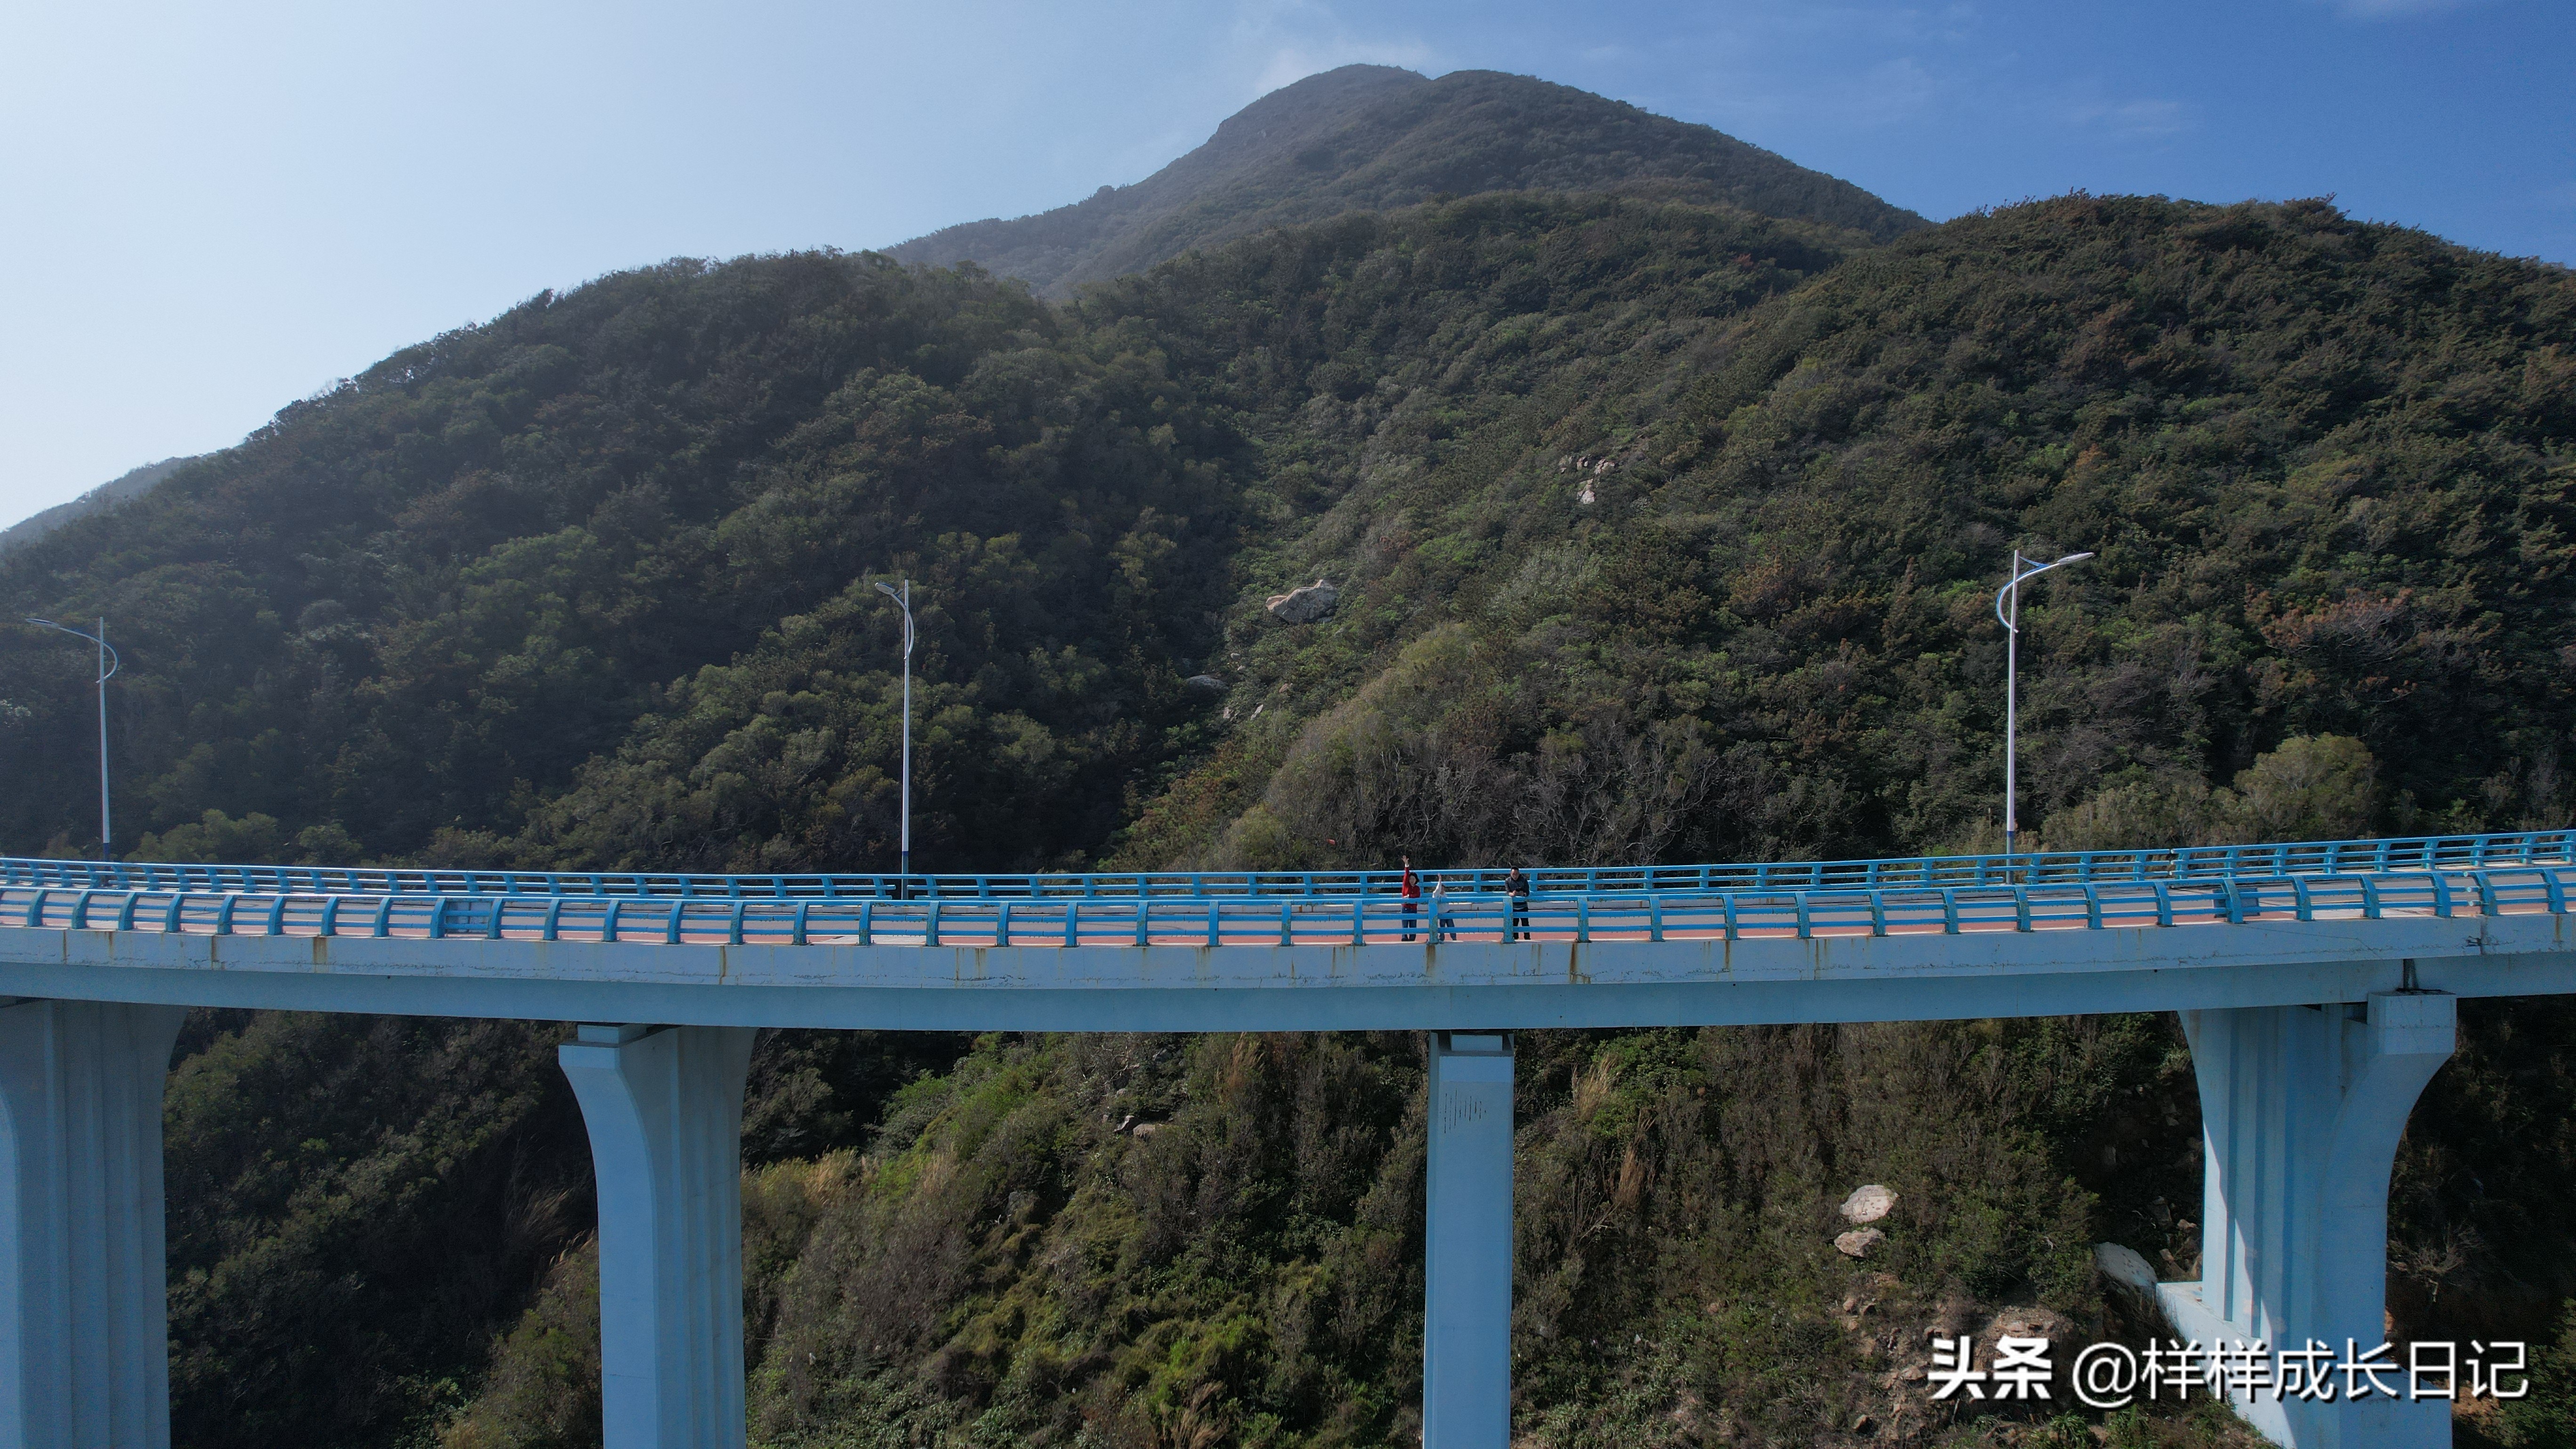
(1411, 890)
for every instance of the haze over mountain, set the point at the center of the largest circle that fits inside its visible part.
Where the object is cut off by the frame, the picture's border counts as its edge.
(130, 484)
(1370, 137)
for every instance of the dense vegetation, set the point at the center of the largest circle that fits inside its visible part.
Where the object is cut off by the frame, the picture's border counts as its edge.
(1373, 137)
(1663, 530)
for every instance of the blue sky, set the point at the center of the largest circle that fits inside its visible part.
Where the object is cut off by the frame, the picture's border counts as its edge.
(212, 211)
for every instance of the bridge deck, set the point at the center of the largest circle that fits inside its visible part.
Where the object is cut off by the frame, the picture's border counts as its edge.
(1232, 963)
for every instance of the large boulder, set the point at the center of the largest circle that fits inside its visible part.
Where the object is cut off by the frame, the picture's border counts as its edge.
(1858, 1242)
(1868, 1204)
(1303, 606)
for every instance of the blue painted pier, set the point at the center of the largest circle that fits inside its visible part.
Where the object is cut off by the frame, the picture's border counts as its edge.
(2316, 981)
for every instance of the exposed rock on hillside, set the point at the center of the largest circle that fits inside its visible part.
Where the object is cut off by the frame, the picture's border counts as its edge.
(1303, 606)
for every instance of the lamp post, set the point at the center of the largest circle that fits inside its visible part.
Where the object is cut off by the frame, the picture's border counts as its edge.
(903, 601)
(108, 664)
(2010, 614)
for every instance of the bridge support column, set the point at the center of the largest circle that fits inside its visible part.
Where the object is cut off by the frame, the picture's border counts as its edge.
(1467, 1268)
(664, 1111)
(84, 1298)
(2301, 1111)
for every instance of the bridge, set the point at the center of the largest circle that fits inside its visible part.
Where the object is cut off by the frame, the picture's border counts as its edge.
(2316, 982)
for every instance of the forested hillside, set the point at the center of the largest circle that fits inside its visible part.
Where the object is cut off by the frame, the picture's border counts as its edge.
(1663, 530)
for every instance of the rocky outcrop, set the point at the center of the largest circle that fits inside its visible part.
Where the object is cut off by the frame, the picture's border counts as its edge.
(1303, 606)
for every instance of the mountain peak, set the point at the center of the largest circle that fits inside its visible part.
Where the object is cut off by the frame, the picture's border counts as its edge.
(1372, 137)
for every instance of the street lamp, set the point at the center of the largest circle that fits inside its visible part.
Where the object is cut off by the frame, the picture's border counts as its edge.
(2011, 618)
(108, 664)
(903, 601)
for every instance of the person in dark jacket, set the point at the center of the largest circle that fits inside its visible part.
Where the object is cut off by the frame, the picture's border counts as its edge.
(1517, 884)
(1411, 890)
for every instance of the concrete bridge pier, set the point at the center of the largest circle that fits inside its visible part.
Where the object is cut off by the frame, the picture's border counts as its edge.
(84, 1300)
(2302, 1108)
(663, 1106)
(1467, 1245)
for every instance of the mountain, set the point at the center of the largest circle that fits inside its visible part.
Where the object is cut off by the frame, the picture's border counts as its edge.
(1661, 530)
(106, 495)
(1372, 137)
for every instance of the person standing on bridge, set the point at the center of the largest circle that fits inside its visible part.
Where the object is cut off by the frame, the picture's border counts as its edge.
(1411, 890)
(1517, 885)
(1440, 924)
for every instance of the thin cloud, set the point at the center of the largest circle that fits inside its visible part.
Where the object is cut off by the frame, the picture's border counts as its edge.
(2396, 9)
(2140, 120)
(1289, 40)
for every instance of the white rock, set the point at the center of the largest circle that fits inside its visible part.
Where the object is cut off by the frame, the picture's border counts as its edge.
(2126, 1267)
(1858, 1242)
(1868, 1204)
(1303, 606)
(1208, 682)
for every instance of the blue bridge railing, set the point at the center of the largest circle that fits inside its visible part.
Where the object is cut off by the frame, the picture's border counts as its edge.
(1240, 919)
(2183, 863)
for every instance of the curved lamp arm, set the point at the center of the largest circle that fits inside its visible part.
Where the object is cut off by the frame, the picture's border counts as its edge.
(2005, 620)
(113, 663)
(904, 604)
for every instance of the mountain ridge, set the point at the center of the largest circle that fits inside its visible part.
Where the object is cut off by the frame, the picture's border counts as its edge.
(1370, 138)
(132, 483)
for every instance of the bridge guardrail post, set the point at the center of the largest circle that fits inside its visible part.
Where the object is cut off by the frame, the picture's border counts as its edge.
(1467, 1244)
(84, 1299)
(663, 1108)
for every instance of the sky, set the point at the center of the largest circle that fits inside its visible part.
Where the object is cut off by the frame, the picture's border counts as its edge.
(209, 212)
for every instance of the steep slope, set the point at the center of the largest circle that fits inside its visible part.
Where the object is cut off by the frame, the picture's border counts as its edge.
(2327, 467)
(129, 484)
(1663, 529)
(1367, 138)
(408, 610)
